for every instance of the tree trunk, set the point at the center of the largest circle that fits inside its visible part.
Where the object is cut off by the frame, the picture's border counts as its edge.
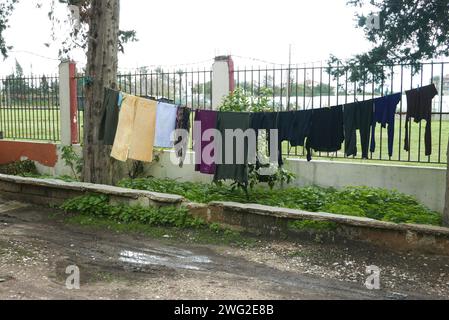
(446, 204)
(101, 70)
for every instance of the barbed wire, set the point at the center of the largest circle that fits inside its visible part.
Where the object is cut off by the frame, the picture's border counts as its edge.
(172, 66)
(34, 54)
(178, 65)
(280, 64)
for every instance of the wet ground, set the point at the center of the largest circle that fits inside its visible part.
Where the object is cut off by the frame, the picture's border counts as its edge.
(36, 247)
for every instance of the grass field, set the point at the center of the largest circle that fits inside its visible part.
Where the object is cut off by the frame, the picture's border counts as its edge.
(44, 125)
(32, 124)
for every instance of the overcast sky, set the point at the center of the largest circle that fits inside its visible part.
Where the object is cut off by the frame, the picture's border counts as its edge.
(177, 32)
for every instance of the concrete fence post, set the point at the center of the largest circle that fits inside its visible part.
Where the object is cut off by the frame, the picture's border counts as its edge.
(68, 103)
(222, 79)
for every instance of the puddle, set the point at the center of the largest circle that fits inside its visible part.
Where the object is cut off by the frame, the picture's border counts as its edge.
(168, 257)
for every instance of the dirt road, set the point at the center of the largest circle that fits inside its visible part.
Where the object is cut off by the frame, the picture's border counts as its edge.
(36, 246)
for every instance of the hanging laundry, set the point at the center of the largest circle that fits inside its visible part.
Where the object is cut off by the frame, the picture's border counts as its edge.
(109, 118)
(262, 121)
(326, 131)
(419, 107)
(182, 123)
(358, 115)
(165, 124)
(294, 127)
(384, 113)
(120, 99)
(136, 129)
(204, 120)
(234, 171)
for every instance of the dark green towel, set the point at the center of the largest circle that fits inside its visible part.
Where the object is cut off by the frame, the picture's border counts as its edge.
(237, 172)
(109, 119)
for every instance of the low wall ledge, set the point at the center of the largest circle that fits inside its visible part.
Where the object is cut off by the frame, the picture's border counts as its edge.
(94, 188)
(295, 214)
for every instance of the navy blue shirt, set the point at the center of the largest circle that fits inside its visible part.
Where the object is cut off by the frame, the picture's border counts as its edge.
(384, 112)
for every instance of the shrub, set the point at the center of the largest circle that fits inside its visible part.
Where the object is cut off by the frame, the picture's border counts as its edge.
(22, 168)
(98, 206)
(379, 204)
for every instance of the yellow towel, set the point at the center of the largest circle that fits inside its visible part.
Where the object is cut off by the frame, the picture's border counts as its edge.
(135, 130)
(125, 127)
(142, 139)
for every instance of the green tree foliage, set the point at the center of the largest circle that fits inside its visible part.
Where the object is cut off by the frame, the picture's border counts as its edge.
(410, 31)
(76, 38)
(6, 9)
(15, 86)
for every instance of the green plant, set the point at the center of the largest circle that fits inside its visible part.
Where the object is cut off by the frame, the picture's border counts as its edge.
(22, 168)
(72, 160)
(379, 204)
(98, 206)
(236, 101)
(95, 210)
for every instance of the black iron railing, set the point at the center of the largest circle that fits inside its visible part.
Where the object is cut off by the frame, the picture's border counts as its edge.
(29, 107)
(309, 87)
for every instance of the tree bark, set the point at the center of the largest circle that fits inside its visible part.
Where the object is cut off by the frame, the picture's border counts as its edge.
(446, 204)
(101, 70)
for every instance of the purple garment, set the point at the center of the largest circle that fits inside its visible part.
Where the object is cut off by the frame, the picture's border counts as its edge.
(207, 119)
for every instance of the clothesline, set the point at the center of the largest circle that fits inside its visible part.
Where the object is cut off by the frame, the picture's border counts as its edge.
(135, 125)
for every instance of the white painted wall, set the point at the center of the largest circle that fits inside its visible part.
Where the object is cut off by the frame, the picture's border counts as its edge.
(426, 184)
(220, 83)
(64, 103)
(60, 169)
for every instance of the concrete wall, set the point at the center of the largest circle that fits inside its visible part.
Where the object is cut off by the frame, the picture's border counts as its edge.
(59, 168)
(256, 219)
(46, 156)
(42, 153)
(426, 184)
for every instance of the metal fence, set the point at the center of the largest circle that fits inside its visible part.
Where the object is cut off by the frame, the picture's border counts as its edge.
(29, 107)
(309, 87)
(190, 88)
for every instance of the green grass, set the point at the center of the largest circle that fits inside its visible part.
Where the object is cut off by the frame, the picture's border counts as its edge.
(39, 124)
(373, 203)
(203, 235)
(32, 124)
(95, 211)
